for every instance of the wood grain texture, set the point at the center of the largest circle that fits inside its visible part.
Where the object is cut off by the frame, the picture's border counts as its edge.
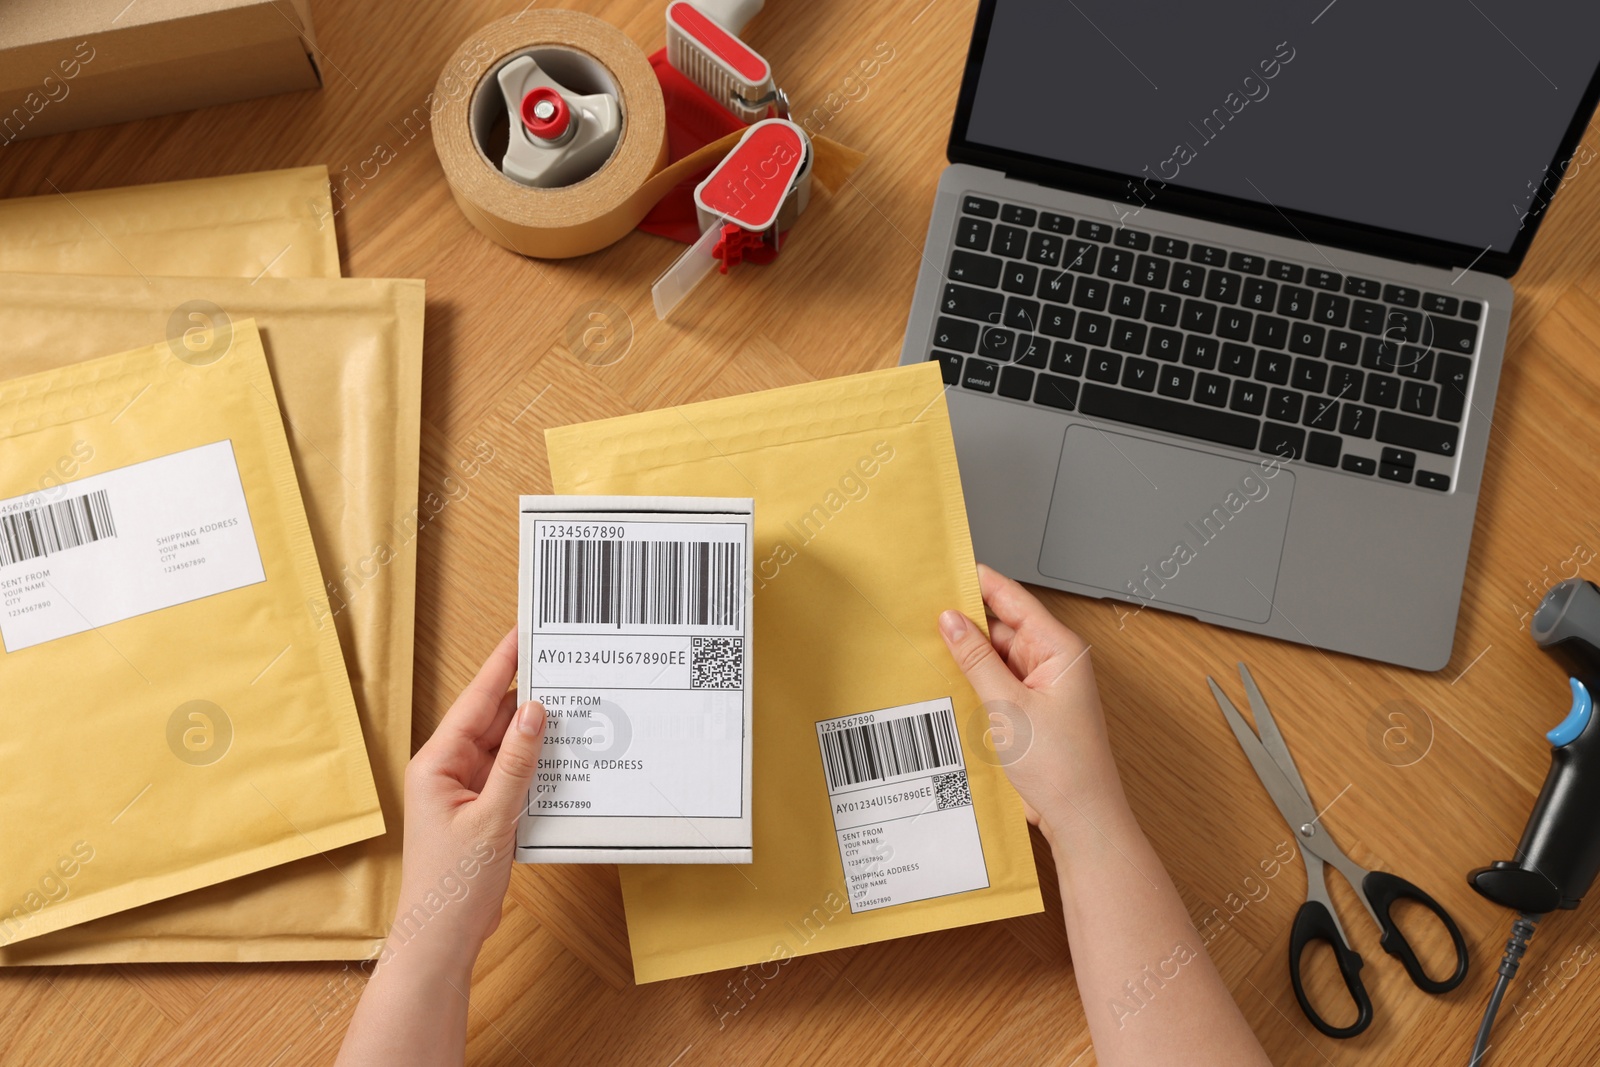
(554, 985)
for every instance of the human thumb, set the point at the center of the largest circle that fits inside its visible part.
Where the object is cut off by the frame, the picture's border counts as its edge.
(505, 793)
(978, 659)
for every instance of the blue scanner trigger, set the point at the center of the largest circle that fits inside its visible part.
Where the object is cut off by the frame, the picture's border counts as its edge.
(1577, 718)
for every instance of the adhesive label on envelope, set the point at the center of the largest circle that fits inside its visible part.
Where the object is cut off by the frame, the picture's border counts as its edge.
(127, 542)
(902, 808)
(638, 643)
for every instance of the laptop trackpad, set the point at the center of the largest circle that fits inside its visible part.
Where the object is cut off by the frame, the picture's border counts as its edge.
(1166, 523)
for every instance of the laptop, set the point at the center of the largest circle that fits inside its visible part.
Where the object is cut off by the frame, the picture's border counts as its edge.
(1220, 296)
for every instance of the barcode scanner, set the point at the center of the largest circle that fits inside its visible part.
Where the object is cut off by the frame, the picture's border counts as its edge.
(1559, 853)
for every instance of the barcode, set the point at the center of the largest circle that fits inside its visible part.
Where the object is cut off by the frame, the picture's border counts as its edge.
(26, 535)
(878, 750)
(641, 583)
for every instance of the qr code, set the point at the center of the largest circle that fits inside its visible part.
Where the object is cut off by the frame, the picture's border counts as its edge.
(952, 790)
(716, 663)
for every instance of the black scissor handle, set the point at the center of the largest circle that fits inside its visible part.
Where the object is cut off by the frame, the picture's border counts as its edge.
(1314, 922)
(1382, 889)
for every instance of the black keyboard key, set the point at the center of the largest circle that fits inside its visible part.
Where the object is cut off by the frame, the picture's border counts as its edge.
(1399, 457)
(1068, 358)
(1127, 301)
(1324, 279)
(1283, 405)
(1170, 416)
(1092, 329)
(1403, 325)
(1323, 449)
(1440, 305)
(1270, 332)
(1305, 339)
(1140, 374)
(1453, 335)
(1471, 309)
(1129, 337)
(955, 335)
(1009, 241)
(1331, 309)
(1045, 249)
(1163, 309)
(1379, 354)
(1200, 352)
(1117, 264)
(1366, 317)
(1199, 316)
(1175, 382)
(1285, 272)
(1356, 420)
(1019, 216)
(1416, 362)
(1285, 442)
(1365, 288)
(1322, 413)
(1032, 351)
(1358, 465)
(980, 374)
(1081, 256)
(977, 205)
(1247, 263)
(1248, 397)
(1055, 285)
(1056, 392)
(1164, 344)
(1344, 383)
(1294, 302)
(1016, 383)
(1094, 231)
(1237, 359)
(1021, 314)
(1310, 375)
(1188, 279)
(1223, 286)
(1452, 374)
(1342, 347)
(1091, 293)
(1418, 398)
(1210, 255)
(968, 303)
(1234, 324)
(1056, 320)
(1212, 390)
(1423, 435)
(1171, 247)
(973, 234)
(1273, 367)
(1137, 240)
(1104, 366)
(1394, 473)
(1259, 295)
(1430, 480)
(996, 343)
(1020, 278)
(1400, 294)
(1382, 391)
(949, 366)
(1055, 223)
(973, 269)
(1151, 272)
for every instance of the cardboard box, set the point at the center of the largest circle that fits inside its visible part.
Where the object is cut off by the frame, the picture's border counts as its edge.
(71, 64)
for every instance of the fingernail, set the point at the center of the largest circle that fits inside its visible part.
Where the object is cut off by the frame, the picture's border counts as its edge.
(953, 625)
(530, 718)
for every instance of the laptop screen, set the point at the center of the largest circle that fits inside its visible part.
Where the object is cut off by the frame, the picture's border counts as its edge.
(1435, 119)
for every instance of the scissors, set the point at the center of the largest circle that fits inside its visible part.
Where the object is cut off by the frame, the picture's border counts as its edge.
(1316, 921)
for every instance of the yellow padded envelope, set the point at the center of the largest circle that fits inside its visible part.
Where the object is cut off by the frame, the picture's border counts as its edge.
(346, 357)
(174, 714)
(860, 541)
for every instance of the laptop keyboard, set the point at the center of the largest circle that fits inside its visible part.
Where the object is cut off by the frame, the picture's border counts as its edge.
(1221, 345)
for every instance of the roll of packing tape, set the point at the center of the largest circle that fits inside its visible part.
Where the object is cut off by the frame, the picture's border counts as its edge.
(587, 56)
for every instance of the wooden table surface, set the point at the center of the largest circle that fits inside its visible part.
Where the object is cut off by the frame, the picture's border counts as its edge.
(1426, 774)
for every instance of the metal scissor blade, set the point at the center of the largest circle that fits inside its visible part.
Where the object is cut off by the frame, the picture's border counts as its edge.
(1292, 805)
(1271, 739)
